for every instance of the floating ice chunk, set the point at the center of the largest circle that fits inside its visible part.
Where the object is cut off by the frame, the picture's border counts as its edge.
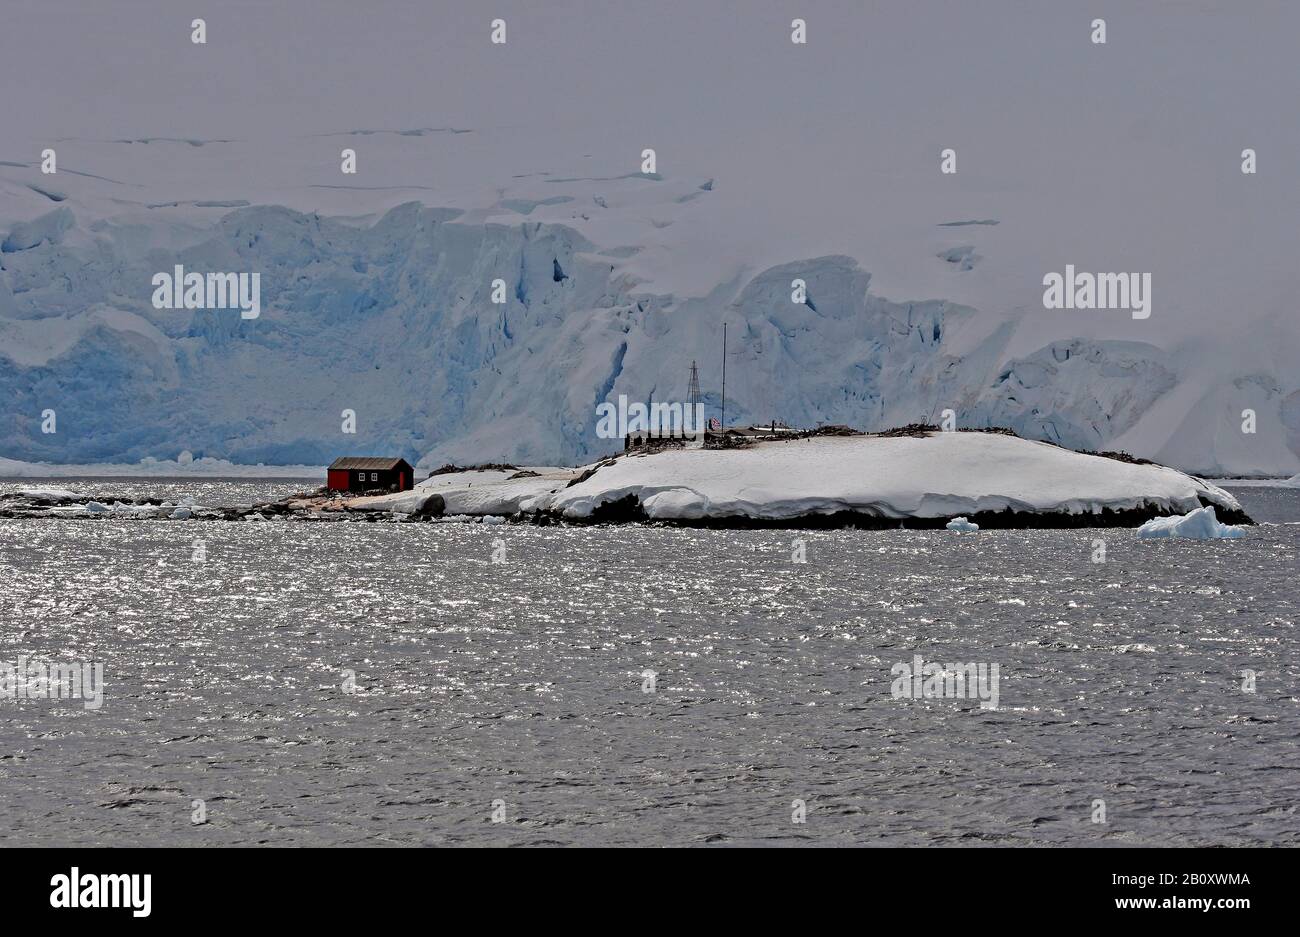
(94, 507)
(1201, 524)
(493, 519)
(49, 494)
(181, 514)
(961, 525)
(135, 510)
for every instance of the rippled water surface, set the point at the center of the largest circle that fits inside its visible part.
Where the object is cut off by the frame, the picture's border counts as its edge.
(223, 492)
(522, 682)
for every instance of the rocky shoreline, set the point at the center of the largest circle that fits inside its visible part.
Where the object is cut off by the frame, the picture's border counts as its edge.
(322, 506)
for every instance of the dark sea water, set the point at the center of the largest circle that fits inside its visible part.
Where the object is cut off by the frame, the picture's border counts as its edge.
(522, 683)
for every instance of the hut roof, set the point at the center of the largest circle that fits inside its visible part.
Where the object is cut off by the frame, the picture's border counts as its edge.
(367, 463)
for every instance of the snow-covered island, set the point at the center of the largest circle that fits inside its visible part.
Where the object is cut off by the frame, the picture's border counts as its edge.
(921, 480)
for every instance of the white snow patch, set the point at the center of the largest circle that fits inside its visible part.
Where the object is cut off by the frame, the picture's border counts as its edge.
(940, 475)
(479, 492)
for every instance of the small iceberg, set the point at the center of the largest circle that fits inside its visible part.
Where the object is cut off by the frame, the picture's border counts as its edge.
(122, 509)
(57, 495)
(962, 525)
(182, 513)
(1201, 524)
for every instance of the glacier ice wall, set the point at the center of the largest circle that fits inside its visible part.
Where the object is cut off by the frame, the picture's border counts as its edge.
(393, 320)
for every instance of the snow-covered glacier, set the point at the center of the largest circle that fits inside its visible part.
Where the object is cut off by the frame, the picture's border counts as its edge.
(393, 320)
(524, 162)
(377, 302)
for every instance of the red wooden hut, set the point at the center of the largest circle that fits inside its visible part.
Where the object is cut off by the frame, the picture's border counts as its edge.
(367, 473)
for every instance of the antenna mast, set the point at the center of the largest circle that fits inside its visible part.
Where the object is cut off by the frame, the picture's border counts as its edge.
(693, 390)
(724, 379)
